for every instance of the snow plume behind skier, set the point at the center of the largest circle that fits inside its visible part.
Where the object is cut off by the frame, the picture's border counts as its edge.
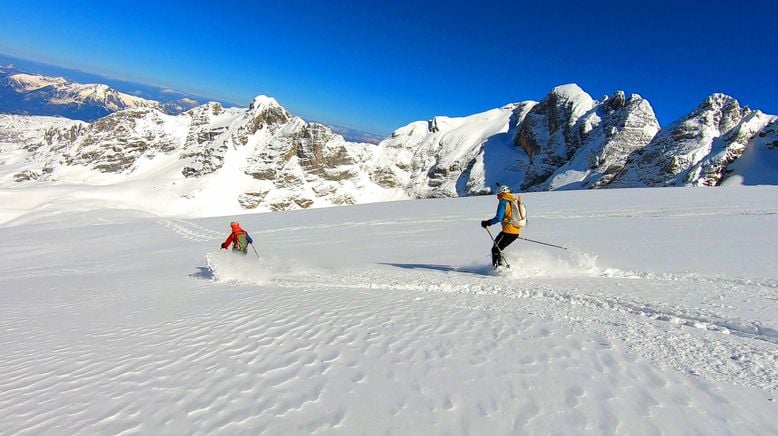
(511, 225)
(224, 266)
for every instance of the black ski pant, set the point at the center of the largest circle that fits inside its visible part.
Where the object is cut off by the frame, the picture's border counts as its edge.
(500, 242)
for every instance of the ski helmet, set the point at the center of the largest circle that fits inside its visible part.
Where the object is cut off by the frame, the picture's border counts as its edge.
(504, 189)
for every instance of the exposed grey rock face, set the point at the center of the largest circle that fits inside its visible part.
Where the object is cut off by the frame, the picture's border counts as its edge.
(33, 138)
(31, 133)
(725, 150)
(548, 133)
(205, 145)
(668, 159)
(627, 125)
(114, 144)
(601, 140)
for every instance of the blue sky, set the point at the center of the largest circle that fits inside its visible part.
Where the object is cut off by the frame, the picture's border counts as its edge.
(377, 66)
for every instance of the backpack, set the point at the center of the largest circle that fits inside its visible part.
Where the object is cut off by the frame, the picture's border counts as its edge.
(241, 242)
(518, 213)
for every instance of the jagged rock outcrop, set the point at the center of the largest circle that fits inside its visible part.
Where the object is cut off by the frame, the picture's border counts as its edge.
(115, 143)
(206, 143)
(548, 134)
(32, 139)
(601, 141)
(669, 158)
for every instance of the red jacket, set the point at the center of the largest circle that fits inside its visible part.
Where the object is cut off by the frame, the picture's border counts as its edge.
(233, 238)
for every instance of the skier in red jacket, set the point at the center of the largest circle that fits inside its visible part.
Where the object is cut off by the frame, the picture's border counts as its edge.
(239, 239)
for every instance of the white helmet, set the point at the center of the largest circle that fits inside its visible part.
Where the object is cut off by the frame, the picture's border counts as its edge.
(504, 189)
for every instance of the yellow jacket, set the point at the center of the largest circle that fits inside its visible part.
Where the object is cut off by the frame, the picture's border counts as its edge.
(504, 213)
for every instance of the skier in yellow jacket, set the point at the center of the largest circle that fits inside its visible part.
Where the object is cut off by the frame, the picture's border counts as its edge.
(504, 216)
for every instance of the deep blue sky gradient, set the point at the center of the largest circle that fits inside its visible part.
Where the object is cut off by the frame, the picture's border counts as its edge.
(380, 65)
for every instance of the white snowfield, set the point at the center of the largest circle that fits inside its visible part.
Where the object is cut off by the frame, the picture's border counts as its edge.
(661, 318)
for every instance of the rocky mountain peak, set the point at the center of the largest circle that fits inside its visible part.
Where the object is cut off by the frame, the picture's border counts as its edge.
(674, 156)
(600, 142)
(263, 157)
(617, 101)
(266, 112)
(720, 111)
(261, 102)
(546, 134)
(115, 143)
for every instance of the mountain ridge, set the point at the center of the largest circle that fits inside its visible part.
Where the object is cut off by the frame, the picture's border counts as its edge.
(74, 85)
(264, 158)
(35, 94)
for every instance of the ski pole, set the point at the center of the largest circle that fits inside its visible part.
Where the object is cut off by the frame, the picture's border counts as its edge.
(507, 265)
(543, 243)
(255, 250)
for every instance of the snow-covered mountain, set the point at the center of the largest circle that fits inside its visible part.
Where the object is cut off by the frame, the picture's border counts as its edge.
(35, 94)
(576, 142)
(263, 158)
(447, 157)
(207, 159)
(570, 141)
(698, 149)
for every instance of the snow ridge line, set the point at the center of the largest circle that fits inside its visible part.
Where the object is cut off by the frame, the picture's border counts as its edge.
(704, 321)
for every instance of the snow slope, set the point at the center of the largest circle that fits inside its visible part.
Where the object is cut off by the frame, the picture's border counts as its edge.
(447, 157)
(384, 319)
(758, 164)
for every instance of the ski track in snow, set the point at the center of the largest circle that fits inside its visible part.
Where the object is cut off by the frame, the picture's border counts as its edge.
(679, 316)
(673, 353)
(191, 231)
(409, 348)
(639, 324)
(676, 354)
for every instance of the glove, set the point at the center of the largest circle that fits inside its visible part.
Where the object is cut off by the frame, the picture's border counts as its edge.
(485, 223)
(224, 247)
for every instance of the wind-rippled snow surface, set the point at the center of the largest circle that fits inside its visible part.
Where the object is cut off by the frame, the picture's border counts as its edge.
(389, 319)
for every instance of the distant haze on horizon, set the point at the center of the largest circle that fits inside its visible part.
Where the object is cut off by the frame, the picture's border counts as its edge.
(378, 67)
